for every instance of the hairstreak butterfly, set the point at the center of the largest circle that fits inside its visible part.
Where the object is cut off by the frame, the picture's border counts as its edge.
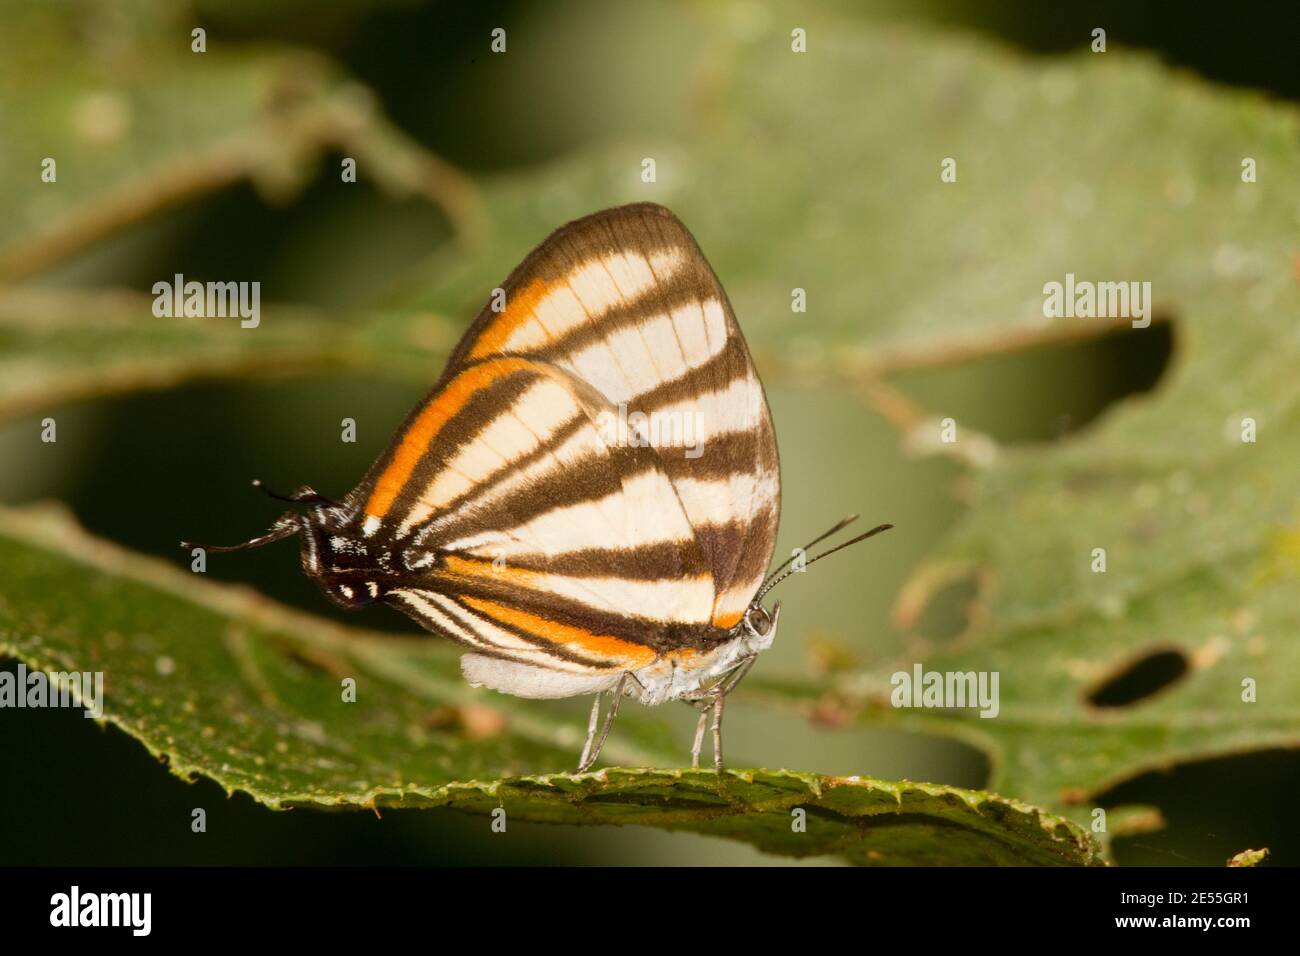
(588, 498)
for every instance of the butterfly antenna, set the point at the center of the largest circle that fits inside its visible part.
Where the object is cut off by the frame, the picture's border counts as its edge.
(305, 495)
(286, 527)
(773, 582)
(839, 526)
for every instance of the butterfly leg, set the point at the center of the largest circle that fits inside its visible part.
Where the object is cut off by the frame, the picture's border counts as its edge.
(719, 700)
(591, 733)
(735, 677)
(699, 735)
(589, 753)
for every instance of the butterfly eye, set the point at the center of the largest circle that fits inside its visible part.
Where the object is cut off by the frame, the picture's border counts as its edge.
(758, 621)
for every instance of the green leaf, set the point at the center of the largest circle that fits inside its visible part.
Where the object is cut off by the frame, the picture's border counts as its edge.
(1111, 168)
(139, 124)
(57, 346)
(218, 681)
(120, 121)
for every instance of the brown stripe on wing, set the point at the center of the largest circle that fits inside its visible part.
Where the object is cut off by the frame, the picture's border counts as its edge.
(466, 425)
(511, 587)
(648, 594)
(589, 472)
(628, 228)
(734, 446)
(492, 484)
(628, 316)
(739, 447)
(482, 614)
(454, 617)
(611, 651)
(590, 280)
(594, 298)
(591, 479)
(750, 565)
(574, 498)
(504, 434)
(648, 562)
(426, 423)
(643, 343)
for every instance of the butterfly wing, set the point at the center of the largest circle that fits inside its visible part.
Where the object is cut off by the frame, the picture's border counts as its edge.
(625, 302)
(529, 536)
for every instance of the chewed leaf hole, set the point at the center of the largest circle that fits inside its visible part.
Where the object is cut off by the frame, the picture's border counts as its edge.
(1051, 391)
(1140, 678)
(947, 613)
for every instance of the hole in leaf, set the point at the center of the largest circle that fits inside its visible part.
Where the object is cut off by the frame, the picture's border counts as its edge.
(1051, 391)
(1140, 678)
(947, 612)
(1213, 809)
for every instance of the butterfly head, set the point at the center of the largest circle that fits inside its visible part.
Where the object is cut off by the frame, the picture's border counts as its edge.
(758, 626)
(334, 554)
(349, 569)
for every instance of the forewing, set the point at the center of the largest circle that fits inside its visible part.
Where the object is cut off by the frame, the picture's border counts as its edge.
(625, 301)
(527, 532)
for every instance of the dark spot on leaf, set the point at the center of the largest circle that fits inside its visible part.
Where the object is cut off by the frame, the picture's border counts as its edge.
(1140, 678)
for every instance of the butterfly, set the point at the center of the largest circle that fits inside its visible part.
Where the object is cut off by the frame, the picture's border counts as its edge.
(587, 501)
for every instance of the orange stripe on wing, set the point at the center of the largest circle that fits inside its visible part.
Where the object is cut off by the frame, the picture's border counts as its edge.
(518, 311)
(626, 653)
(727, 620)
(415, 441)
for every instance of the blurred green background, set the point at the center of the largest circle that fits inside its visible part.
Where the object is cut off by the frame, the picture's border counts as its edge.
(148, 469)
